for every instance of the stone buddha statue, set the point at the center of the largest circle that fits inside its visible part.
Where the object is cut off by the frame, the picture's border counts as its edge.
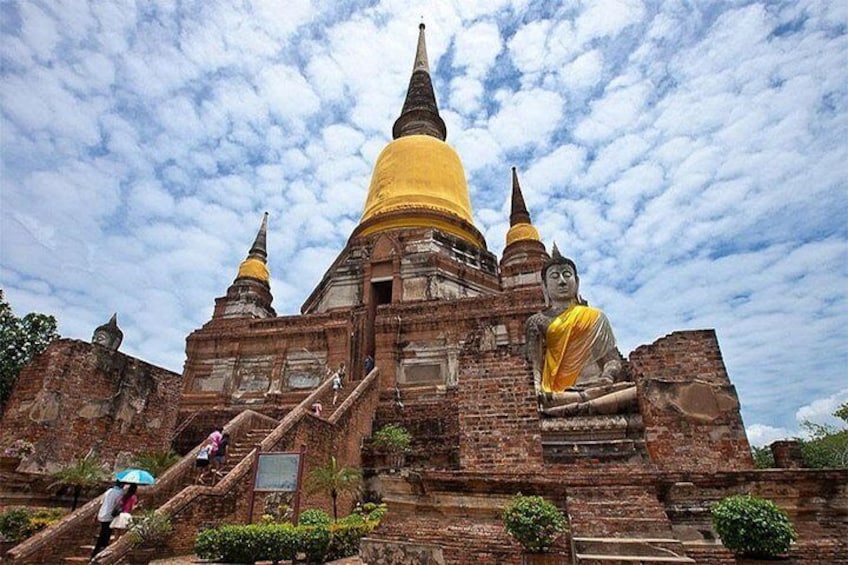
(577, 368)
(109, 335)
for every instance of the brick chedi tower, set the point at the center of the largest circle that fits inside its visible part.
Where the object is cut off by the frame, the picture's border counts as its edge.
(416, 240)
(524, 254)
(250, 293)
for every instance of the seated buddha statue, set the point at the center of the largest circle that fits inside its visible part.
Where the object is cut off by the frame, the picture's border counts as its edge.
(109, 335)
(577, 368)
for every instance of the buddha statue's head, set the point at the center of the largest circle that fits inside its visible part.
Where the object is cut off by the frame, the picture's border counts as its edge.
(560, 283)
(109, 335)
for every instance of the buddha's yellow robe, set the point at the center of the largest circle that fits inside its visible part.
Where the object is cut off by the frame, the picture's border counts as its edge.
(577, 336)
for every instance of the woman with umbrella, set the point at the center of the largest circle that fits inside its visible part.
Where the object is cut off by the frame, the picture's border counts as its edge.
(115, 500)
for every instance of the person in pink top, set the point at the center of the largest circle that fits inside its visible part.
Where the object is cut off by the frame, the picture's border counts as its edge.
(128, 500)
(215, 437)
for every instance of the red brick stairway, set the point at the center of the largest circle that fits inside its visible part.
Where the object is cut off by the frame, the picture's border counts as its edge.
(618, 524)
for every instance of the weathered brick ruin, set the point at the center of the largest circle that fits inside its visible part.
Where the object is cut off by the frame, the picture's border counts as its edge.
(416, 288)
(77, 397)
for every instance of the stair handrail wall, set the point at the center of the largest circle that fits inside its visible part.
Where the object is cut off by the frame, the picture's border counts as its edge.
(39, 547)
(244, 469)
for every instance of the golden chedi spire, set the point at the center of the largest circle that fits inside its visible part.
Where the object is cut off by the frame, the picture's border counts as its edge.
(255, 266)
(524, 254)
(520, 227)
(418, 180)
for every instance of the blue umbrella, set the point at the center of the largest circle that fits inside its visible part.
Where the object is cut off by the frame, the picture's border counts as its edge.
(135, 476)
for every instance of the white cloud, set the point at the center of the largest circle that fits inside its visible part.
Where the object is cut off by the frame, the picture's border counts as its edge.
(607, 17)
(477, 48)
(760, 435)
(527, 46)
(821, 411)
(38, 31)
(691, 160)
(287, 93)
(585, 71)
(527, 117)
(618, 111)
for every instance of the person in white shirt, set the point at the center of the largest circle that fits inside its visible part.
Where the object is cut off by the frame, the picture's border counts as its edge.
(110, 502)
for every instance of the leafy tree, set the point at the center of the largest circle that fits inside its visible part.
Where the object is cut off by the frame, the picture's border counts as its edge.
(333, 480)
(763, 457)
(827, 445)
(21, 339)
(83, 473)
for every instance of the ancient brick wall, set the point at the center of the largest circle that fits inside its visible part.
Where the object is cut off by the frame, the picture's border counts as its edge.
(689, 407)
(252, 363)
(77, 396)
(498, 417)
(431, 418)
(815, 500)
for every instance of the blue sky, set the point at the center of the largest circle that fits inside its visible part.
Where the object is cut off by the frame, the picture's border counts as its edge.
(691, 157)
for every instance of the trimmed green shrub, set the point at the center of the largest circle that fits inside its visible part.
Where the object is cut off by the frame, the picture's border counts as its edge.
(207, 544)
(314, 542)
(371, 511)
(13, 524)
(534, 522)
(393, 438)
(17, 524)
(282, 542)
(345, 536)
(752, 526)
(278, 542)
(314, 517)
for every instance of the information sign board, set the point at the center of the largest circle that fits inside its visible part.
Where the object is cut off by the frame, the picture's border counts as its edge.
(277, 472)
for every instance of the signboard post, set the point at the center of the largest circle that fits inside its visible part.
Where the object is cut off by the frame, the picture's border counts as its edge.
(278, 471)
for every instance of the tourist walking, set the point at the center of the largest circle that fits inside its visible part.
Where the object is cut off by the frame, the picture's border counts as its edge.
(337, 383)
(126, 504)
(109, 508)
(220, 456)
(201, 462)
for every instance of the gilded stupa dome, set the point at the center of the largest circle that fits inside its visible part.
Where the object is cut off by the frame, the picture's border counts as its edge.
(521, 228)
(418, 179)
(254, 269)
(522, 232)
(418, 171)
(255, 266)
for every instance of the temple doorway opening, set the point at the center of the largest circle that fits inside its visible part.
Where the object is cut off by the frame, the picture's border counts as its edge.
(382, 292)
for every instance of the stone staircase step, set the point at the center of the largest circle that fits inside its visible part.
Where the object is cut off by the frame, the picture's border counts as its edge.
(621, 512)
(592, 559)
(622, 526)
(631, 547)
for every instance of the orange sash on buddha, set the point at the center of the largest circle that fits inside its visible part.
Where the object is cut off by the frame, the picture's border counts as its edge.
(569, 342)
